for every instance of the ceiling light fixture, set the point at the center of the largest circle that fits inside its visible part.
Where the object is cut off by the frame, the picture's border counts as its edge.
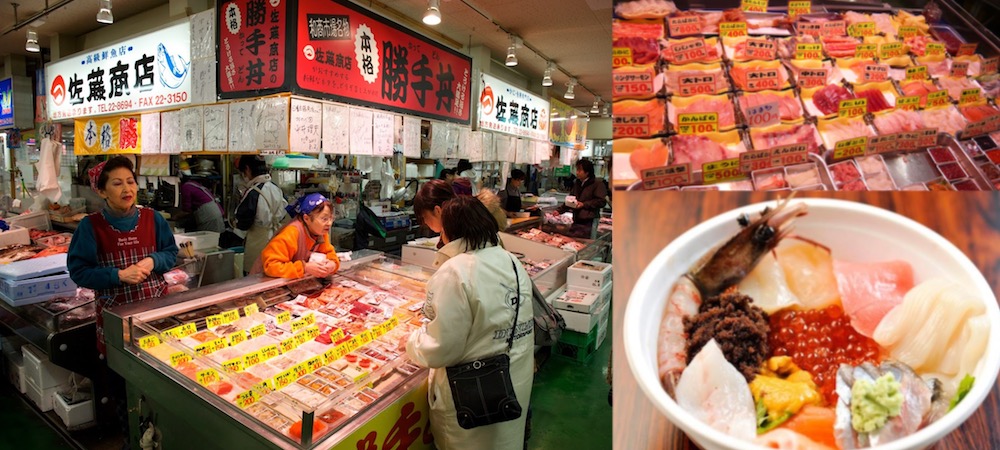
(604, 110)
(433, 14)
(569, 95)
(511, 55)
(547, 78)
(31, 44)
(104, 15)
(596, 109)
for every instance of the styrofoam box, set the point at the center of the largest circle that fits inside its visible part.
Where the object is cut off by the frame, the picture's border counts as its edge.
(578, 301)
(42, 397)
(73, 415)
(203, 240)
(588, 276)
(40, 371)
(584, 322)
(33, 287)
(15, 235)
(38, 220)
(15, 373)
(420, 255)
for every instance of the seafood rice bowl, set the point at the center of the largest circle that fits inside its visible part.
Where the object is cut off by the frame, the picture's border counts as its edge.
(717, 330)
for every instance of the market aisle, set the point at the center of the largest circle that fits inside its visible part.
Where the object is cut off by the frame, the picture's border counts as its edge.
(570, 404)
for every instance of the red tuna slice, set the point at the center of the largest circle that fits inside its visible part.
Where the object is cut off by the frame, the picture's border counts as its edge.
(827, 100)
(876, 100)
(869, 291)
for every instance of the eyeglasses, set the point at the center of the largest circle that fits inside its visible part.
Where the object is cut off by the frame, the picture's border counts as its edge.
(323, 219)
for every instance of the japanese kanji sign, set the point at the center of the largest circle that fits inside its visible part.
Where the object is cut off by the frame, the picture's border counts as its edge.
(348, 54)
(6, 103)
(510, 110)
(404, 424)
(252, 47)
(107, 135)
(151, 71)
(564, 129)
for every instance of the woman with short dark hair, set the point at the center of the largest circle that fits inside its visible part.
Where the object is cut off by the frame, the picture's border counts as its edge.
(433, 194)
(510, 196)
(471, 301)
(260, 210)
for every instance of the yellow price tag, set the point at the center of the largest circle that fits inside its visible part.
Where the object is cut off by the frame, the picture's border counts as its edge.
(312, 332)
(916, 73)
(219, 344)
(732, 29)
(233, 365)
(231, 316)
(343, 349)
(621, 56)
(853, 107)
(890, 50)
(207, 377)
(298, 325)
(301, 338)
(257, 331)
(796, 8)
(148, 342)
(269, 351)
(237, 338)
(203, 349)
(719, 171)
(938, 99)
(366, 337)
(850, 148)
(300, 370)
(251, 309)
(179, 358)
(181, 331)
(911, 103)
(336, 335)
(329, 356)
(698, 123)
(754, 5)
(214, 321)
(393, 322)
(934, 49)
(865, 51)
(288, 345)
(314, 363)
(906, 32)
(808, 51)
(309, 318)
(284, 379)
(970, 96)
(252, 359)
(264, 387)
(861, 29)
(284, 316)
(246, 398)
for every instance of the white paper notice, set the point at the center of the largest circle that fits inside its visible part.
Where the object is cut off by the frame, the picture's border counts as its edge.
(271, 121)
(524, 154)
(382, 134)
(454, 137)
(241, 126)
(541, 152)
(439, 140)
(475, 147)
(506, 149)
(203, 35)
(150, 126)
(361, 132)
(203, 81)
(411, 137)
(565, 156)
(192, 123)
(489, 147)
(170, 135)
(335, 130)
(306, 125)
(216, 127)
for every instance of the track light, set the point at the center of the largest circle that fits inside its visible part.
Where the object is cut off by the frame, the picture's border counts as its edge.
(547, 78)
(433, 14)
(31, 44)
(604, 110)
(569, 95)
(104, 15)
(511, 55)
(596, 109)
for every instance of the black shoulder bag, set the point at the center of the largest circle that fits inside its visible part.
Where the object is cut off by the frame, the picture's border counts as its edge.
(481, 389)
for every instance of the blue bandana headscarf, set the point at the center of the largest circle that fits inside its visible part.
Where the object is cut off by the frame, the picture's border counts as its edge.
(305, 204)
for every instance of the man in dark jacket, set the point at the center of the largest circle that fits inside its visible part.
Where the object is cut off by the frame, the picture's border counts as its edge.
(590, 194)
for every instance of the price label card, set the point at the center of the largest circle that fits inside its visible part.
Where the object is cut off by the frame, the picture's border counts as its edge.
(883, 144)
(907, 32)
(257, 331)
(203, 349)
(231, 316)
(148, 342)
(853, 107)
(247, 398)
(754, 5)
(938, 99)
(696, 84)
(875, 72)
(301, 338)
(330, 356)
(763, 115)
(989, 65)
(968, 49)
(692, 50)
(343, 349)
(298, 325)
(916, 73)
(354, 343)
(181, 331)
(975, 129)
(264, 387)
(861, 29)
(237, 338)
(252, 359)
(796, 8)
(284, 316)
(732, 29)
(970, 96)
(233, 365)
(756, 160)
(808, 51)
(911, 103)
(834, 28)
(907, 141)
(812, 77)
(207, 377)
(312, 332)
(336, 335)
(250, 309)
(684, 26)
(891, 50)
(287, 345)
(849, 148)
(787, 155)
(632, 83)
(314, 363)
(309, 318)
(662, 177)
(810, 29)
(865, 51)
(959, 69)
(269, 351)
(631, 125)
(719, 171)
(761, 49)
(219, 344)
(213, 321)
(621, 56)
(284, 379)
(300, 370)
(393, 322)
(761, 79)
(934, 49)
(927, 137)
(698, 123)
(179, 358)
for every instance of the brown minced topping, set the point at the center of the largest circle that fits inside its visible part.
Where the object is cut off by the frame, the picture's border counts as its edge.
(738, 326)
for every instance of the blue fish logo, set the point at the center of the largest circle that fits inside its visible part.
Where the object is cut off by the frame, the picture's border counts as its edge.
(173, 68)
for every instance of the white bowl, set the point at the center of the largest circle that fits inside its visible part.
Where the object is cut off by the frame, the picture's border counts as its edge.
(854, 232)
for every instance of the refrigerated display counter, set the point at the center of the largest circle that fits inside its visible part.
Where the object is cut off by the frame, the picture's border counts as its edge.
(275, 363)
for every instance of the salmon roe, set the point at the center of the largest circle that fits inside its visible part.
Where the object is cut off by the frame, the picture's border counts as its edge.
(819, 341)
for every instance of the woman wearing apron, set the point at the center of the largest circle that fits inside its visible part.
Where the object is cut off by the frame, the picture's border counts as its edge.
(259, 212)
(302, 247)
(510, 197)
(199, 202)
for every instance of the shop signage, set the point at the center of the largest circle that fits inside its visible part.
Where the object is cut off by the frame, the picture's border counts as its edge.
(252, 38)
(151, 71)
(345, 53)
(564, 130)
(510, 110)
(404, 424)
(7, 103)
(107, 135)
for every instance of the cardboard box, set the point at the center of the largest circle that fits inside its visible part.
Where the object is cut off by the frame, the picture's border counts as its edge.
(40, 371)
(584, 322)
(75, 414)
(588, 276)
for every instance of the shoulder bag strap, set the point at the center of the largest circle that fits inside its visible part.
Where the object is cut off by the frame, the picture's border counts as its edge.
(517, 306)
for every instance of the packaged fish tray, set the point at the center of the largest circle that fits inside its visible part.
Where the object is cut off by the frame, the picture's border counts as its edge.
(789, 109)
(788, 48)
(639, 118)
(824, 101)
(641, 39)
(957, 86)
(982, 119)
(808, 176)
(636, 82)
(983, 154)
(937, 65)
(756, 76)
(632, 156)
(721, 105)
(853, 69)
(812, 73)
(947, 119)
(917, 88)
(880, 96)
(650, 9)
(706, 22)
(702, 148)
(780, 135)
(696, 79)
(750, 48)
(840, 131)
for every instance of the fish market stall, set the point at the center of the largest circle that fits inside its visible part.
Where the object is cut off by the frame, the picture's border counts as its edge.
(719, 97)
(275, 363)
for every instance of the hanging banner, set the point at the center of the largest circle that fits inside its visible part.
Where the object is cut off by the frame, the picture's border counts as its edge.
(252, 41)
(107, 135)
(510, 110)
(144, 72)
(346, 53)
(565, 130)
(7, 103)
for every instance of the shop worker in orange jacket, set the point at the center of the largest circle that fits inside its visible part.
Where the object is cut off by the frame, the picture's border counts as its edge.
(302, 247)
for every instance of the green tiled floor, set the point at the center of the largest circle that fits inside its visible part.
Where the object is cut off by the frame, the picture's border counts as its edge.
(20, 426)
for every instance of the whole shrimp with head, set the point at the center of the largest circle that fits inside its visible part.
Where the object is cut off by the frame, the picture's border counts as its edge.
(717, 271)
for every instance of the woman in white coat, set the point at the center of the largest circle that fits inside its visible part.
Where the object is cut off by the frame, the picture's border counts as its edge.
(260, 211)
(470, 304)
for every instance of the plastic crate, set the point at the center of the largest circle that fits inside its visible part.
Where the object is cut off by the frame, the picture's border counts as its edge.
(579, 339)
(38, 220)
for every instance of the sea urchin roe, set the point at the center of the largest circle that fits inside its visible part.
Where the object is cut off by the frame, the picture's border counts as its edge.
(819, 341)
(872, 404)
(783, 387)
(737, 325)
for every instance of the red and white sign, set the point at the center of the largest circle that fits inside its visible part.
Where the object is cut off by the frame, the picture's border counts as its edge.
(252, 43)
(507, 109)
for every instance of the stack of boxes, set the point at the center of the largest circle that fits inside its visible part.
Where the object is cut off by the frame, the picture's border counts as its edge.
(585, 306)
(41, 380)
